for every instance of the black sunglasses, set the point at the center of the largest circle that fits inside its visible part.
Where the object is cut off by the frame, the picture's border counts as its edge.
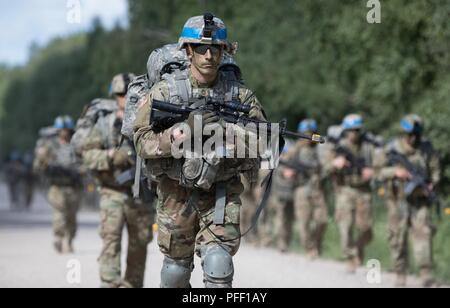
(203, 48)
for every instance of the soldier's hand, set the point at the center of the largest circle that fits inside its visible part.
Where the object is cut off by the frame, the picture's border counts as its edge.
(402, 174)
(120, 158)
(340, 162)
(367, 174)
(203, 117)
(289, 173)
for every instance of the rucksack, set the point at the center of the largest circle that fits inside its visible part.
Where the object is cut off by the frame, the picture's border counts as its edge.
(91, 114)
(167, 63)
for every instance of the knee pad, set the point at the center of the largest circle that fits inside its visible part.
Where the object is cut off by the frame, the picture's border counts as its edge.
(218, 268)
(176, 273)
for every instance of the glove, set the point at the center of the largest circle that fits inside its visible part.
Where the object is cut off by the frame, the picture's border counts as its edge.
(120, 158)
(206, 116)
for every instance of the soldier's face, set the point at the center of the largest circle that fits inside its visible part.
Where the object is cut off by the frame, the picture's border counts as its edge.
(353, 135)
(412, 139)
(65, 135)
(205, 58)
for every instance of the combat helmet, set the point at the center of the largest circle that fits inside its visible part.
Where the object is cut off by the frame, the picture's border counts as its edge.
(119, 84)
(412, 124)
(206, 29)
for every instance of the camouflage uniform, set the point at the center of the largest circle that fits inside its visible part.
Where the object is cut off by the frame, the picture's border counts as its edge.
(283, 200)
(58, 162)
(309, 201)
(353, 198)
(117, 206)
(409, 216)
(186, 222)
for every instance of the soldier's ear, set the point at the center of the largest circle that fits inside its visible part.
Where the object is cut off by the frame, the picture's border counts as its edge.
(189, 51)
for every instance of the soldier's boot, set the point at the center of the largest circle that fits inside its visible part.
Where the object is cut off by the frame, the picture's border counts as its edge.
(351, 266)
(176, 273)
(125, 285)
(312, 254)
(400, 280)
(58, 245)
(426, 278)
(110, 285)
(69, 246)
(283, 248)
(353, 261)
(218, 268)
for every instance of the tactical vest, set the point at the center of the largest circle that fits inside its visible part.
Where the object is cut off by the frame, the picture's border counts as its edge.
(352, 176)
(420, 159)
(199, 172)
(63, 157)
(309, 157)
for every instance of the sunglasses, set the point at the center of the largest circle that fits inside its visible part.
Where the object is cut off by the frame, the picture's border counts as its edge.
(203, 48)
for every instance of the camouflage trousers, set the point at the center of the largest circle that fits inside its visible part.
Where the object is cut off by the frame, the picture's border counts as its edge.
(65, 201)
(117, 210)
(312, 215)
(354, 211)
(309, 209)
(186, 226)
(404, 220)
(283, 223)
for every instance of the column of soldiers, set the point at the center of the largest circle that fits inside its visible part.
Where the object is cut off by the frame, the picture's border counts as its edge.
(199, 212)
(357, 163)
(62, 159)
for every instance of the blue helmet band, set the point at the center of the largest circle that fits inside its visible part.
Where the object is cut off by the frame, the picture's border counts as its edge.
(353, 124)
(409, 127)
(307, 126)
(197, 34)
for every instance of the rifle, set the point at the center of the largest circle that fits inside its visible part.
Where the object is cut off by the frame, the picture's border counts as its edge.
(357, 163)
(165, 115)
(59, 171)
(418, 181)
(127, 177)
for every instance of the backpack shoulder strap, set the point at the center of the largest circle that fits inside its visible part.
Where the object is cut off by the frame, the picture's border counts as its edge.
(180, 89)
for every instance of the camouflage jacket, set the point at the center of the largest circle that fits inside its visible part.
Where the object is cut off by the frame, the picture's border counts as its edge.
(58, 162)
(362, 156)
(423, 158)
(307, 157)
(155, 148)
(106, 136)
